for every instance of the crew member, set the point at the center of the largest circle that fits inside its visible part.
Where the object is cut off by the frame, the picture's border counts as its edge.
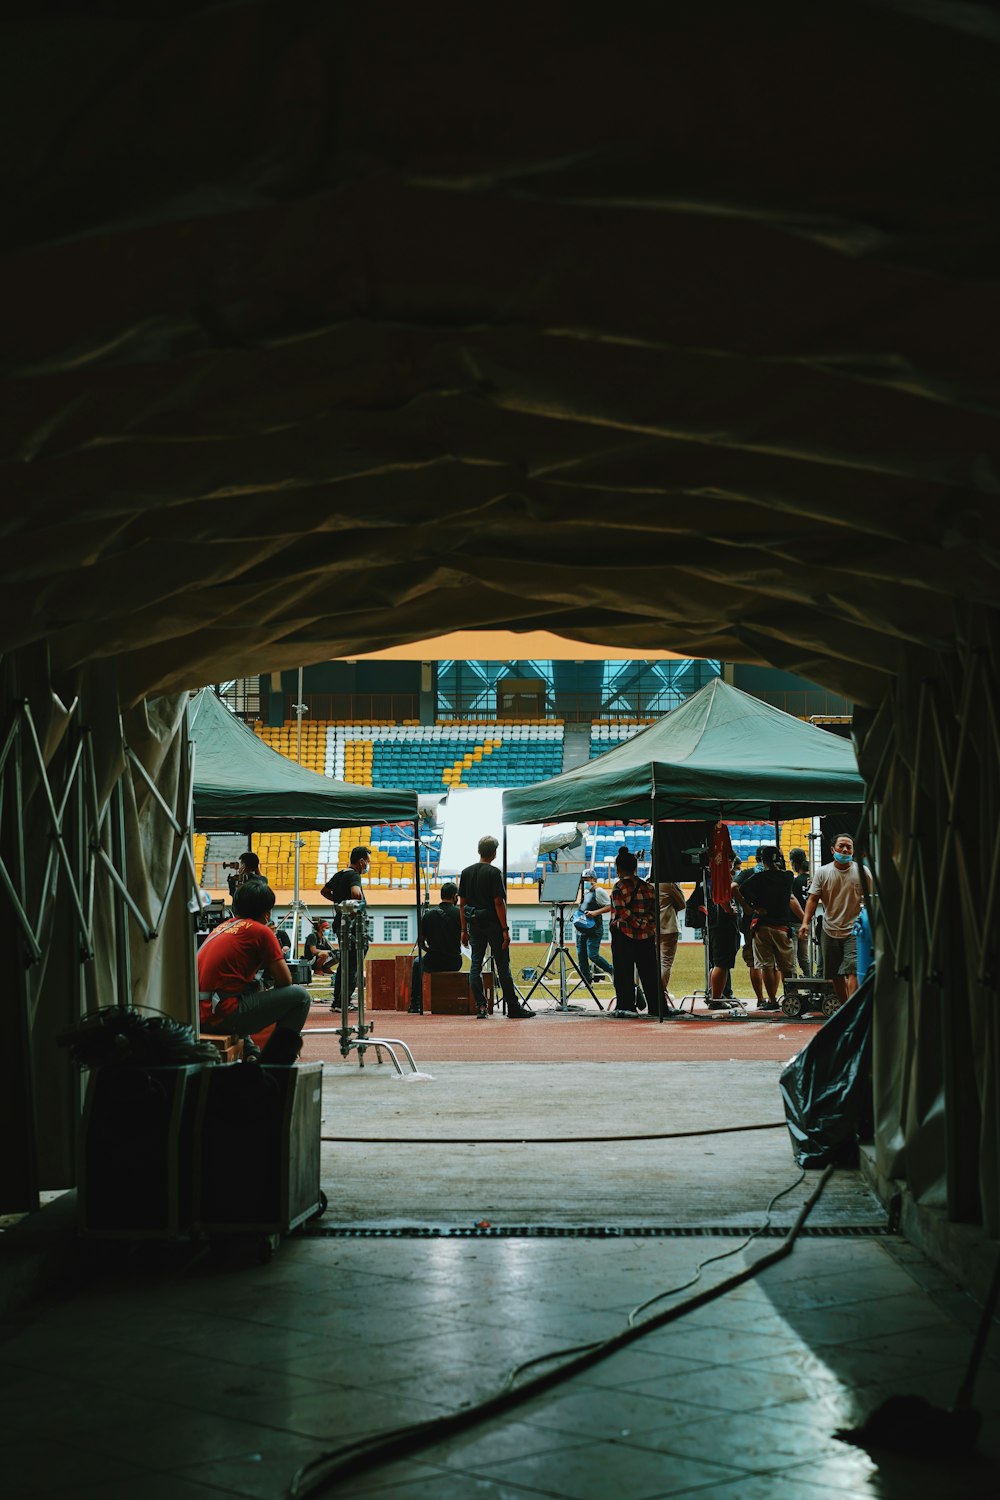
(746, 921)
(838, 886)
(247, 867)
(346, 886)
(441, 930)
(769, 896)
(633, 934)
(799, 861)
(482, 902)
(595, 905)
(317, 951)
(671, 902)
(231, 998)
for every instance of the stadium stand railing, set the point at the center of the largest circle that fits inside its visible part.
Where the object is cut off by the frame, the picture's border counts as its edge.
(452, 754)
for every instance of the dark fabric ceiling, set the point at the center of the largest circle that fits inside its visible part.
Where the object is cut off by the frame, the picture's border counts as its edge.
(332, 326)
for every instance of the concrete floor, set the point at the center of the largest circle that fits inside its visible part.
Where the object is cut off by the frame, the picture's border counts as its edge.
(163, 1376)
(700, 1180)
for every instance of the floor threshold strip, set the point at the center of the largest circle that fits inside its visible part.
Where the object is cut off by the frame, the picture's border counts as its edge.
(587, 1232)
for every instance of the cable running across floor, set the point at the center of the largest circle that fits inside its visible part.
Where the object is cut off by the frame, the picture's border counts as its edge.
(330, 1469)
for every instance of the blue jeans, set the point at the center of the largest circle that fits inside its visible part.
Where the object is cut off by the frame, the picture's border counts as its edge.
(492, 938)
(588, 951)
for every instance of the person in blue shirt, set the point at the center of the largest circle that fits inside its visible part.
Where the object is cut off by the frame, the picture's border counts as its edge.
(594, 906)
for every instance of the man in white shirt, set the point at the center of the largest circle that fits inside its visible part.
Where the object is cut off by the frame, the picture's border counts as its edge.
(838, 886)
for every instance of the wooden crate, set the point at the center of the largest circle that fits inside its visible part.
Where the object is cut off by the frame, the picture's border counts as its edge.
(380, 983)
(404, 971)
(451, 994)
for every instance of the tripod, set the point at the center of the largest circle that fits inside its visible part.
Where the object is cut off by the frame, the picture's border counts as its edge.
(558, 950)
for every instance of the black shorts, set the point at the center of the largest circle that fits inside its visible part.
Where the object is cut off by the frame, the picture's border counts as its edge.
(723, 946)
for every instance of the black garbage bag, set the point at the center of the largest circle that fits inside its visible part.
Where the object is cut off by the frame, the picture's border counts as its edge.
(116, 1037)
(827, 1087)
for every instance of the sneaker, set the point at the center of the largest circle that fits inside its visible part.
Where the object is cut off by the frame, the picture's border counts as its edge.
(482, 1013)
(640, 1001)
(520, 1013)
(623, 1014)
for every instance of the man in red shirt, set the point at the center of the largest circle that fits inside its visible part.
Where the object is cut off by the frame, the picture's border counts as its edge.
(230, 996)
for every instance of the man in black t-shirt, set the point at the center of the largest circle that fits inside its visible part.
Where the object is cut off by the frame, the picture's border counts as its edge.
(768, 894)
(441, 930)
(346, 886)
(483, 907)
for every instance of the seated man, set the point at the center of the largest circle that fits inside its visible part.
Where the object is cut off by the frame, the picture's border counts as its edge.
(317, 951)
(231, 999)
(441, 931)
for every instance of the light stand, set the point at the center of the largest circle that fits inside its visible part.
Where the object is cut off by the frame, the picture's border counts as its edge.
(556, 887)
(297, 907)
(357, 1036)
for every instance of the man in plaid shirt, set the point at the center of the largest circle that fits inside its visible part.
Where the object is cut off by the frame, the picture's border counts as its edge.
(633, 934)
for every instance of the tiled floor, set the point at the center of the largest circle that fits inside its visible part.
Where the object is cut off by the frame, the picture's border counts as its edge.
(165, 1380)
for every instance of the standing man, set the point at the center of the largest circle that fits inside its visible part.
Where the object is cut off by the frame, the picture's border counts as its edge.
(799, 861)
(346, 886)
(229, 995)
(482, 903)
(746, 927)
(671, 902)
(633, 935)
(441, 930)
(595, 905)
(838, 886)
(769, 895)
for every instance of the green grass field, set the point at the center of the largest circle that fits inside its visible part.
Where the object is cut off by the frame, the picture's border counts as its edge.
(689, 966)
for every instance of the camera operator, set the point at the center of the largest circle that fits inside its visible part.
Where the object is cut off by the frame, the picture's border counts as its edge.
(247, 867)
(346, 886)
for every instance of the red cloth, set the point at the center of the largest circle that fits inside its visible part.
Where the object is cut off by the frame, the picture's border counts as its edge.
(229, 958)
(721, 861)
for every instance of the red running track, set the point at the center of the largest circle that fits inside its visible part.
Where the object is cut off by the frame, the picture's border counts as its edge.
(572, 1038)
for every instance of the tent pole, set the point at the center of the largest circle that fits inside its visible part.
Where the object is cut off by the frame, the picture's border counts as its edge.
(294, 950)
(656, 905)
(416, 883)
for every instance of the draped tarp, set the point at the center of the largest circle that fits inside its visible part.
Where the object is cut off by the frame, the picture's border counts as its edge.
(242, 784)
(95, 845)
(721, 753)
(685, 338)
(931, 754)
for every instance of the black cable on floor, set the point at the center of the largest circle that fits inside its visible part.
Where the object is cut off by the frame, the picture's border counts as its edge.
(542, 1359)
(540, 1140)
(369, 1453)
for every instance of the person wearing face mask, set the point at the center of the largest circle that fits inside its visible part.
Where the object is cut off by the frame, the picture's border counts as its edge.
(594, 906)
(838, 886)
(346, 886)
